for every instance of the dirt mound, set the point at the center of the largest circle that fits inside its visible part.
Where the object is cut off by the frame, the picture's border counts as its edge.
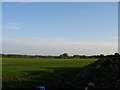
(104, 73)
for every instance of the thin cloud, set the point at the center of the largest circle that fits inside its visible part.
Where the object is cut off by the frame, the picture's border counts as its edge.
(13, 26)
(0, 44)
(56, 47)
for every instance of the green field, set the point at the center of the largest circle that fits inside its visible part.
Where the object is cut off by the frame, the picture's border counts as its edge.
(34, 72)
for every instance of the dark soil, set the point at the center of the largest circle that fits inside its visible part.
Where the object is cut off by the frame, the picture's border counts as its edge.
(102, 74)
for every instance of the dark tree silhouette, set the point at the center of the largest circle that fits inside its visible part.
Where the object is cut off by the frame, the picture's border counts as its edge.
(65, 55)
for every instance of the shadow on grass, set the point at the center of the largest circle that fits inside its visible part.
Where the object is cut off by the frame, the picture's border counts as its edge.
(55, 77)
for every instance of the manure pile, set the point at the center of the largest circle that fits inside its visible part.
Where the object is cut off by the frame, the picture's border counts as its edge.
(102, 74)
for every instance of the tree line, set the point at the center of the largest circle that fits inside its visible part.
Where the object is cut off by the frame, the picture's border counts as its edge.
(64, 56)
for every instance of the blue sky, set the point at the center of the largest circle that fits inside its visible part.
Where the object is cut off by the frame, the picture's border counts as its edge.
(88, 23)
(0, 28)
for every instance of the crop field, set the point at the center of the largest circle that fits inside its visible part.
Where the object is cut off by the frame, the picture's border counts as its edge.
(33, 72)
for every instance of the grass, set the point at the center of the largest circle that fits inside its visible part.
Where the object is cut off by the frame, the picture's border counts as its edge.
(23, 72)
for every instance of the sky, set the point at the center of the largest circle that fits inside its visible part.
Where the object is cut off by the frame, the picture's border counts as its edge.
(0, 27)
(52, 28)
(60, 0)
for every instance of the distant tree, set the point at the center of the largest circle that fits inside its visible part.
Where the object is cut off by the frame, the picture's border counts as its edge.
(101, 55)
(83, 56)
(65, 55)
(76, 56)
(116, 54)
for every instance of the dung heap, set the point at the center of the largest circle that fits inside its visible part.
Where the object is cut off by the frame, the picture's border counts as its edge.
(104, 73)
